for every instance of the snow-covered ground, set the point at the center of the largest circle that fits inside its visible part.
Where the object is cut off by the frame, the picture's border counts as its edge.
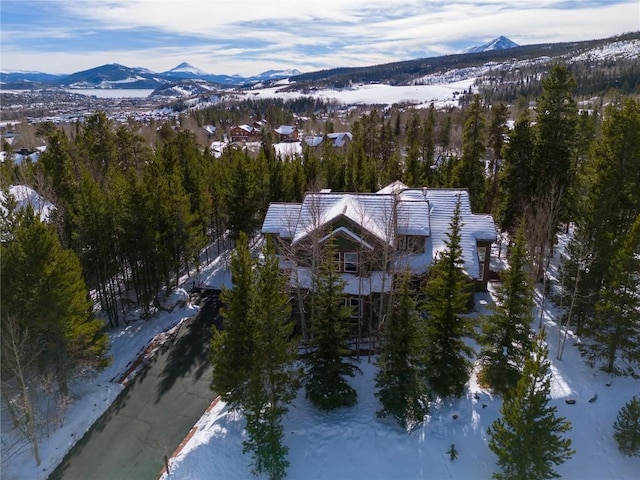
(353, 443)
(380, 94)
(350, 443)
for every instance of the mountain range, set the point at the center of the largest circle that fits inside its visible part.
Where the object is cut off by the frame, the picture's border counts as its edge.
(186, 79)
(114, 75)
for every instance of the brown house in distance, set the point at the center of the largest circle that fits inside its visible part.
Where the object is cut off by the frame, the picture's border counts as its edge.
(286, 133)
(244, 133)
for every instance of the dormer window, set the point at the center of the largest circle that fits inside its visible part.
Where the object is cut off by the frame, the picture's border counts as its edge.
(350, 262)
(410, 244)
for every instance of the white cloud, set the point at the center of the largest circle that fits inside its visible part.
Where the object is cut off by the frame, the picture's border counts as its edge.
(256, 35)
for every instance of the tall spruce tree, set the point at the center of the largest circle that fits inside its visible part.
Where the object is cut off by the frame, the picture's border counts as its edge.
(446, 295)
(610, 178)
(626, 428)
(241, 198)
(43, 288)
(612, 335)
(330, 362)
(517, 177)
(402, 389)
(232, 350)
(273, 379)
(497, 132)
(528, 438)
(556, 122)
(470, 172)
(505, 337)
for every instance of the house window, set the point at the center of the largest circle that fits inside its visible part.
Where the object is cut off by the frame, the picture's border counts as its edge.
(410, 244)
(354, 304)
(350, 262)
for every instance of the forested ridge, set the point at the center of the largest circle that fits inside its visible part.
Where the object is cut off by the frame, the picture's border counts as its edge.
(134, 213)
(404, 72)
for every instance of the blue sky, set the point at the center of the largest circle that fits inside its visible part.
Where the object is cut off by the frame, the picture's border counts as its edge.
(251, 36)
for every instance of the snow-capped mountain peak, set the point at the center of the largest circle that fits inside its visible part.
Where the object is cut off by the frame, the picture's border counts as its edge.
(500, 43)
(185, 67)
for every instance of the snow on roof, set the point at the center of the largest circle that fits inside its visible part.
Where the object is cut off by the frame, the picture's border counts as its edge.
(394, 187)
(339, 138)
(247, 128)
(210, 129)
(27, 196)
(372, 212)
(413, 218)
(285, 129)
(376, 282)
(313, 141)
(425, 212)
(281, 219)
(441, 205)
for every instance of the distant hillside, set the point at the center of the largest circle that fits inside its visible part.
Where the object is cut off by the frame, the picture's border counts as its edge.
(406, 72)
(19, 76)
(112, 75)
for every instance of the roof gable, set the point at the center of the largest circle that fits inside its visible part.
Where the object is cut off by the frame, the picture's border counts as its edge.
(371, 212)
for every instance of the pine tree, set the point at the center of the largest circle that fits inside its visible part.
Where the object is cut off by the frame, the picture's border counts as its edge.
(613, 333)
(528, 439)
(497, 131)
(446, 355)
(516, 180)
(556, 123)
(43, 288)
(232, 350)
(402, 389)
(612, 203)
(329, 362)
(505, 337)
(470, 172)
(241, 199)
(273, 379)
(626, 428)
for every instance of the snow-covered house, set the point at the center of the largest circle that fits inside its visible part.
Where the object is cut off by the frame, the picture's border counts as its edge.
(243, 133)
(286, 133)
(313, 141)
(210, 130)
(24, 196)
(378, 235)
(340, 140)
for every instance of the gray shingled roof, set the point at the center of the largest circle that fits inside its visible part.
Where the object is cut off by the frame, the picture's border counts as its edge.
(425, 212)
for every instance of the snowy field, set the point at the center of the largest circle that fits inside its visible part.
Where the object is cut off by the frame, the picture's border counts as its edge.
(379, 94)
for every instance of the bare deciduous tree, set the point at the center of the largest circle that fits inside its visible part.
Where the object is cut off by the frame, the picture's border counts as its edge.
(18, 354)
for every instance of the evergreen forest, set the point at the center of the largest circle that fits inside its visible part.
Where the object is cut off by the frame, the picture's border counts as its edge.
(138, 206)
